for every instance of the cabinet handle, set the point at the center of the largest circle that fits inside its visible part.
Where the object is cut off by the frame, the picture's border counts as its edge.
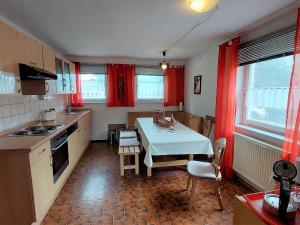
(32, 63)
(51, 160)
(42, 151)
(19, 87)
(47, 87)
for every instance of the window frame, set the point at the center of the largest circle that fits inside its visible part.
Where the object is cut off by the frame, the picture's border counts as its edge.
(148, 100)
(242, 108)
(100, 100)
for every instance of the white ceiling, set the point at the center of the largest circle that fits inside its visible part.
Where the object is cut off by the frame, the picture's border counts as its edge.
(131, 28)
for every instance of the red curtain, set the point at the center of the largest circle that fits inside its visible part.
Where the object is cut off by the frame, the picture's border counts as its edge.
(174, 86)
(76, 98)
(226, 100)
(121, 85)
(291, 147)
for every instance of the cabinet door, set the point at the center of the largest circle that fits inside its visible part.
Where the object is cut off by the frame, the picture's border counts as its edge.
(24, 49)
(74, 148)
(30, 51)
(9, 67)
(36, 53)
(42, 179)
(67, 78)
(73, 77)
(60, 84)
(49, 60)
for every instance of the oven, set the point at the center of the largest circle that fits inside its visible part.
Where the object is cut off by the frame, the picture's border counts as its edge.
(60, 154)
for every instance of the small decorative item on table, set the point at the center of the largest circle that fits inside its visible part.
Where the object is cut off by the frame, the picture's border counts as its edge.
(158, 114)
(172, 122)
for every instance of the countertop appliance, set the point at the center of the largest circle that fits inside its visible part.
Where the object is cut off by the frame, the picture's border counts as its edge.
(33, 73)
(39, 130)
(47, 115)
(279, 197)
(60, 154)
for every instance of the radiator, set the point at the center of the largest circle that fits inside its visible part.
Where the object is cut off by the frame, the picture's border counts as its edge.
(254, 159)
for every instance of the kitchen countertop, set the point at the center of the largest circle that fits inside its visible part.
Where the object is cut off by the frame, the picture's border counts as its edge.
(27, 143)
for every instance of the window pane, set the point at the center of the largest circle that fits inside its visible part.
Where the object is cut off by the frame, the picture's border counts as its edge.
(150, 87)
(267, 91)
(93, 86)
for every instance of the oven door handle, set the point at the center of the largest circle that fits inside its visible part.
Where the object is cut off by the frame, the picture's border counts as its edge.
(56, 148)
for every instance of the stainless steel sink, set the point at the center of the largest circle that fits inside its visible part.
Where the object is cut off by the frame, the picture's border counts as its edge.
(72, 113)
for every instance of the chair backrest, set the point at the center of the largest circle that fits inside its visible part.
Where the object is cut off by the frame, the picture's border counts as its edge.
(207, 126)
(193, 122)
(219, 149)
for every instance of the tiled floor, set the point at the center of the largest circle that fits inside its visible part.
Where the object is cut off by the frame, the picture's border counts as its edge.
(96, 194)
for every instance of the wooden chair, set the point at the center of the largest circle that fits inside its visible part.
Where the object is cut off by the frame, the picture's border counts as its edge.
(207, 126)
(194, 122)
(205, 170)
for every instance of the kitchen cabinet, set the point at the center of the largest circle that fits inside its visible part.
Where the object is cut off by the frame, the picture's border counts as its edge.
(73, 77)
(30, 51)
(9, 68)
(67, 78)
(74, 148)
(28, 190)
(84, 129)
(60, 83)
(49, 60)
(42, 179)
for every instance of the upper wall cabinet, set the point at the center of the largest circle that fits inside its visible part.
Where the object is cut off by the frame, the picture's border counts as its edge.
(49, 60)
(9, 68)
(73, 77)
(67, 77)
(60, 83)
(30, 51)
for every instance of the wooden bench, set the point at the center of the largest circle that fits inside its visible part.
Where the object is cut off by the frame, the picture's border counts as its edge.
(129, 151)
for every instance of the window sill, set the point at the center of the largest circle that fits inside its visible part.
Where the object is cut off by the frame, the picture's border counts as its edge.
(261, 135)
(146, 101)
(94, 102)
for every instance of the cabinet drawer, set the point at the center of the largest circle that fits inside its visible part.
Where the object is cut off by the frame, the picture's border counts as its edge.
(39, 152)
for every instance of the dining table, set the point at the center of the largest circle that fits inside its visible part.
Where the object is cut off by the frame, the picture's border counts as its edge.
(162, 141)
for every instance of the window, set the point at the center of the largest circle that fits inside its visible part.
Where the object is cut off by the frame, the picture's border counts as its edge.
(265, 92)
(93, 83)
(149, 84)
(93, 87)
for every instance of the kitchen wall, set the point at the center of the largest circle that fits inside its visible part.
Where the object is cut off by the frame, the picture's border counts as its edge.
(206, 64)
(103, 115)
(18, 110)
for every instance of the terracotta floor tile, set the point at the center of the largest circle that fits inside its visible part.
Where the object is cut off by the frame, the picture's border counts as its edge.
(96, 194)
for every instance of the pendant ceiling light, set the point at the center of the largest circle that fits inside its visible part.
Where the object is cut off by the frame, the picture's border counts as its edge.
(202, 6)
(164, 64)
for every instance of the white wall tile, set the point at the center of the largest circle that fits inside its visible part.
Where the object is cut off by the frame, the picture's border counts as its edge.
(1, 124)
(14, 109)
(6, 111)
(17, 110)
(21, 108)
(7, 123)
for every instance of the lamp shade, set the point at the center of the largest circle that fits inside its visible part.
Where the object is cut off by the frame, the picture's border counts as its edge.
(202, 6)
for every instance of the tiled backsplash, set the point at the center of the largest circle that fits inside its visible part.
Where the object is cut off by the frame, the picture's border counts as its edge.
(17, 110)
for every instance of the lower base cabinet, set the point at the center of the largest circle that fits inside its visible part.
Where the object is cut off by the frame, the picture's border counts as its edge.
(29, 189)
(42, 180)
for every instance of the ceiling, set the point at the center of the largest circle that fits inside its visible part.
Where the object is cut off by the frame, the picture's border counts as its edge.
(131, 28)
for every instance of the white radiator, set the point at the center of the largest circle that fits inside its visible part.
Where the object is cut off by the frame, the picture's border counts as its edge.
(254, 159)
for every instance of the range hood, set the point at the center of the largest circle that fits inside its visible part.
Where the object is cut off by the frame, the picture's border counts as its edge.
(33, 73)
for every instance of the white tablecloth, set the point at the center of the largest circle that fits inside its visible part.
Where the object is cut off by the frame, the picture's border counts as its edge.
(161, 141)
